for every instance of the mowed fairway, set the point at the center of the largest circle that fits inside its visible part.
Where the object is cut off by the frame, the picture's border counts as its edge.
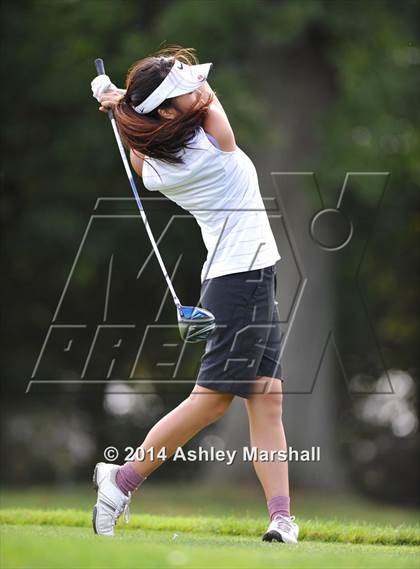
(64, 539)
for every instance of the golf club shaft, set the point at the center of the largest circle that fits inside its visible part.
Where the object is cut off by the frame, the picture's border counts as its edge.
(100, 69)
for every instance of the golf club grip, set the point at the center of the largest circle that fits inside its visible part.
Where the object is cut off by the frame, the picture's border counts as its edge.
(100, 67)
(100, 70)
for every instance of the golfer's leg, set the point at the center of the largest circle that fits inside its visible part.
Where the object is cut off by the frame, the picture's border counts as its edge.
(202, 407)
(266, 432)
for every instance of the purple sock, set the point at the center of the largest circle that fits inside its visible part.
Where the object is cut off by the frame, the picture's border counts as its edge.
(128, 479)
(279, 505)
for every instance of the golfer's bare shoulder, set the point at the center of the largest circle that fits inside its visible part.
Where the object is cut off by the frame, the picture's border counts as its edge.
(136, 159)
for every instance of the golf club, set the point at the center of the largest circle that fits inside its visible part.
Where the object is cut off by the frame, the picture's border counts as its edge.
(195, 324)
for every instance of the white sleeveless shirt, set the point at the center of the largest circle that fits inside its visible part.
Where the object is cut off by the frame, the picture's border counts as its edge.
(220, 189)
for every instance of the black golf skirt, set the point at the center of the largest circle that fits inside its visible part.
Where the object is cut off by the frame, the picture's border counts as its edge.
(247, 338)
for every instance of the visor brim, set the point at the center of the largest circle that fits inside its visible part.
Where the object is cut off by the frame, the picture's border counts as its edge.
(190, 81)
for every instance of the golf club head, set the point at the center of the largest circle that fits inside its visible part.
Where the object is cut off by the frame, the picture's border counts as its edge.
(195, 324)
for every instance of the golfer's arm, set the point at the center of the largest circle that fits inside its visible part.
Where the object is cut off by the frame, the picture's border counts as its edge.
(217, 123)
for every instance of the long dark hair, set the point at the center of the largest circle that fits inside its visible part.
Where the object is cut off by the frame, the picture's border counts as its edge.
(150, 134)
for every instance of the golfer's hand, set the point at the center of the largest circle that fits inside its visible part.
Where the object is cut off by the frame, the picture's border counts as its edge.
(110, 99)
(104, 91)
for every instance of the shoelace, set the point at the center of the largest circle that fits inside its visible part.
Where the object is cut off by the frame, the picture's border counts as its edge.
(127, 513)
(283, 522)
(123, 510)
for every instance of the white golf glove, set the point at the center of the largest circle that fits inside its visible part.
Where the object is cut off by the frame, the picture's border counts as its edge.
(101, 84)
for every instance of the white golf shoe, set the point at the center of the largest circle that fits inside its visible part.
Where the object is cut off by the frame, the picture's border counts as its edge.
(282, 528)
(111, 501)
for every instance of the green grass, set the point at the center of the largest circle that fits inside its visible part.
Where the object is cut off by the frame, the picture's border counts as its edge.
(215, 499)
(34, 546)
(202, 526)
(315, 530)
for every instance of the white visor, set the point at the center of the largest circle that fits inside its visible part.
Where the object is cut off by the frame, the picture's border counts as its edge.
(181, 79)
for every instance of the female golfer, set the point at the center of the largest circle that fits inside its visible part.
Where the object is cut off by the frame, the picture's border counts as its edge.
(182, 145)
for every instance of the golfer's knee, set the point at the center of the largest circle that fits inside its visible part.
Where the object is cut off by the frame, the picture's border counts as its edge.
(273, 406)
(267, 402)
(210, 407)
(221, 407)
(267, 407)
